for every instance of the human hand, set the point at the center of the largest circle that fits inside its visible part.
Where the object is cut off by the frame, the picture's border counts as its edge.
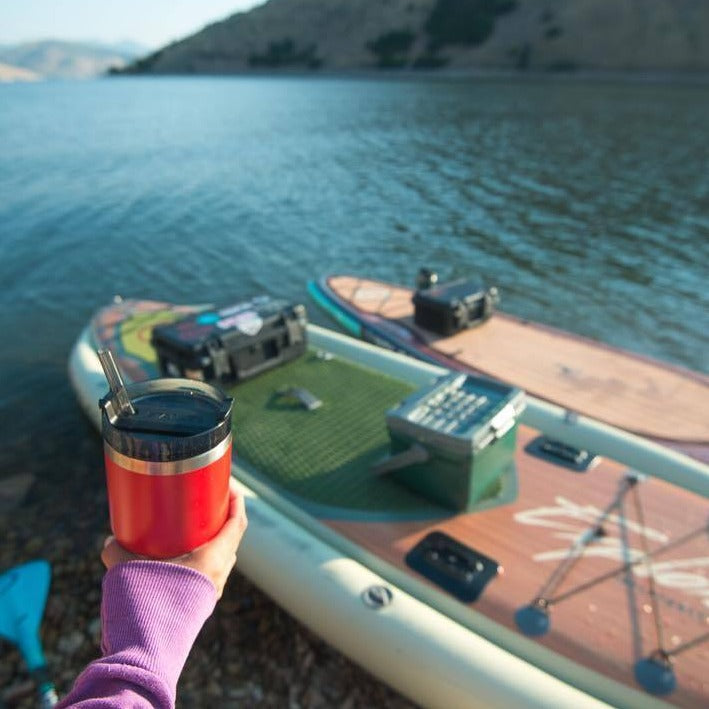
(215, 559)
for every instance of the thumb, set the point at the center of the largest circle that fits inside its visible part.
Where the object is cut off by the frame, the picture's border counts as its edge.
(113, 553)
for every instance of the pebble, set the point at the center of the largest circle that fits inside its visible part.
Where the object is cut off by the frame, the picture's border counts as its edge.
(69, 644)
(13, 491)
(33, 546)
(94, 629)
(18, 691)
(214, 689)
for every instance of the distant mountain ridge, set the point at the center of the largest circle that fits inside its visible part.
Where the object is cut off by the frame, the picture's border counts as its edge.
(15, 73)
(57, 59)
(461, 35)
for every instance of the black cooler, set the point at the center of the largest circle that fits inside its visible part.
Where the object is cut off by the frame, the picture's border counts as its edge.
(233, 343)
(452, 307)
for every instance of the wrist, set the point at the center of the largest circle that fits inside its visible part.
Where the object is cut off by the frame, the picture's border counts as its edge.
(152, 612)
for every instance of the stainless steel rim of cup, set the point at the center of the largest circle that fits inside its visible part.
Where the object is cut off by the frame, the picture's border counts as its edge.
(173, 467)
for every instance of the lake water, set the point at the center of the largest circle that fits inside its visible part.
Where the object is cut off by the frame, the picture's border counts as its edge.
(586, 203)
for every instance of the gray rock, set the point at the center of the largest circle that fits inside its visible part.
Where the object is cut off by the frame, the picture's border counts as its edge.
(94, 630)
(69, 644)
(13, 491)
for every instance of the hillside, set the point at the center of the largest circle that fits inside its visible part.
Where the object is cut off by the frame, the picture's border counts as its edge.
(351, 35)
(15, 73)
(54, 59)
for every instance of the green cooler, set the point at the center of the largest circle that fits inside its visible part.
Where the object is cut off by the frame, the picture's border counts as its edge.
(454, 442)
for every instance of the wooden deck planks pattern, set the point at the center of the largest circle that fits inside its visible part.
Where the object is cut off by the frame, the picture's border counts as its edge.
(617, 387)
(611, 625)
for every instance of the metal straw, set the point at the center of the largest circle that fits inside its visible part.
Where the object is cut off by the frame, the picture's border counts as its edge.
(115, 382)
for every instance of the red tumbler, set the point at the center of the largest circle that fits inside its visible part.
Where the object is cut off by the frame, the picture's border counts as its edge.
(168, 461)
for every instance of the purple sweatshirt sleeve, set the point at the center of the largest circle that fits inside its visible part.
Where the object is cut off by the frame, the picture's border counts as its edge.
(151, 614)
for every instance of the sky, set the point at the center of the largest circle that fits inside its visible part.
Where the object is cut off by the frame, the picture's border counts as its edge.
(152, 23)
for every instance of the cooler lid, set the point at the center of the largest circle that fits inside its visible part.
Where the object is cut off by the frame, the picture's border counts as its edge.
(446, 292)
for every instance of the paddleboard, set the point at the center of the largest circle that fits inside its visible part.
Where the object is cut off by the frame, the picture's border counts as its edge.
(665, 403)
(591, 586)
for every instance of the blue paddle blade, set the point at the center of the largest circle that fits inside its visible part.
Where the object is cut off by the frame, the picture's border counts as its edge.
(23, 594)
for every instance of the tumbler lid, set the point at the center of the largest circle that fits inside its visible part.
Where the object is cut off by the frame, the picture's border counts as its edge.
(173, 419)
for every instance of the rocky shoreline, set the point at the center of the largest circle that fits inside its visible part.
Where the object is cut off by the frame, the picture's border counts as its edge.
(250, 652)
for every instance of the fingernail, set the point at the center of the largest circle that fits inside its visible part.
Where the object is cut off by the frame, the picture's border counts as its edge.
(107, 541)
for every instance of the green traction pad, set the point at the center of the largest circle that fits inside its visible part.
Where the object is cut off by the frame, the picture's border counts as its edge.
(322, 456)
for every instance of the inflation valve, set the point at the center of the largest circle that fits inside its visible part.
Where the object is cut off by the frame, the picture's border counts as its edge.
(376, 597)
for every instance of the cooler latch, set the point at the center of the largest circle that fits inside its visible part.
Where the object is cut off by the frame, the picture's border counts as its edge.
(500, 424)
(503, 421)
(221, 363)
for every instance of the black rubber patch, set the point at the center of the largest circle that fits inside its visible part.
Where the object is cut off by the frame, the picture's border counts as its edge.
(453, 566)
(562, 454)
